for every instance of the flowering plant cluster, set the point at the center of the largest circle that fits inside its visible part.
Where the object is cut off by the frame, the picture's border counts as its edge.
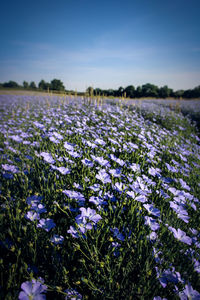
(99, 198)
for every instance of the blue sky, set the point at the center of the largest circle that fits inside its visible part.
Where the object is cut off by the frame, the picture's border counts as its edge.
(103, 44)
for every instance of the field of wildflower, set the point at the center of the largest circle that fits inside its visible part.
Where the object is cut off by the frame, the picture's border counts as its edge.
(99, 200)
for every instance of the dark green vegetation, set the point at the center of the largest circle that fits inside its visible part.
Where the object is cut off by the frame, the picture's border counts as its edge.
(146, 90)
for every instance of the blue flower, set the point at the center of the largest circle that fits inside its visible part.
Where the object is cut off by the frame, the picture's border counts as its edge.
(152, 223)
(72, 295)
(73, 232)
(57, 239)
(74, 195)
(88, 214)
(103, 176)
(180, 235)
(115, 172)
(33, 290)
(189, 293)
(32, 216)
(117, 234)
(63, 170)
(10, 168)
(152, 210)
(87, 162)
(47, 157)
(46, 224)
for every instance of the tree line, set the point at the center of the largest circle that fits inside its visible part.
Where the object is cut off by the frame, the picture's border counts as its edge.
(54, 85)
(145, 90)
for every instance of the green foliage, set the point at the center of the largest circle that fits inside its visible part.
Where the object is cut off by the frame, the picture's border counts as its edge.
(33, 85)
(25, 84)
(43, 85)
(146, 90)
(10, 84)
(57, 85)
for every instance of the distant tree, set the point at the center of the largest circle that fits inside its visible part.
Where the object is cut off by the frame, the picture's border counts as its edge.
(43, 85)
(130, 91)
(165, 92)
(110, 92)
(138, 92)
(196, 93)
(178, 94)
(11, 84)
(149, 90)
(25, 84)
(192, 93)
(33, 85)
(97, 92)
(90, 91)
(57, 85)
(120, 91)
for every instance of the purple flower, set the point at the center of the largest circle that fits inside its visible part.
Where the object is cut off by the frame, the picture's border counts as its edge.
(74, 154)
(135, 167)
(33, 200)
(103, 176)
(74, 195)
(47, 157)
(33, 290)
(167, 276)
(103, 162)
(189, 293)
(40, 208)
(73, 232)
(117, 160)
(16, 138)
(38, 125)
(54, 140)
(141, 198)
(87, 162)
(32, 216)
(72, 295)
(120, 187)
(152, 236)
(95, 187)
(115, 172)
(171, 168)
(152, 223)
(117, 234)
(100, 142)
(180, 235)
(184, 184)
(63, 170)
(69, 146)
(154, 171)
(10, 168)
(131, 194)
(152, 210)
(57, 239)
(181, 212)
(58, 135)
(88, 214)
(97, 201)
(46, 224)
(84, 227)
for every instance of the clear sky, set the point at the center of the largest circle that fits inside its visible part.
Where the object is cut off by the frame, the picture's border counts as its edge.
(103, 44)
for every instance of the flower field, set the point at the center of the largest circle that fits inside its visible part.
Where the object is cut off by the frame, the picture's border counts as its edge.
(99, 200)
